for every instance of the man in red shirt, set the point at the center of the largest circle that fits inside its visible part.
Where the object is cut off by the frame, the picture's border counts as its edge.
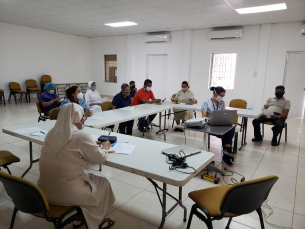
(145, 95)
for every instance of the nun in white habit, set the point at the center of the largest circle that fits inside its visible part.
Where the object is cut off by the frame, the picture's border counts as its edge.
(93, 98)
(63, 179)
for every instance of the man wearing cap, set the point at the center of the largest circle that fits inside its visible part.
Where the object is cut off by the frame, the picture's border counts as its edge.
(49, 99)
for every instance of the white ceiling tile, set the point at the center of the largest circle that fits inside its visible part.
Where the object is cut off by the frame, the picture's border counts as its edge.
(180, 1)
(54, 2)
(211, 2)
(158, 2)
(188, 5)
(74, 1)
(218, 8)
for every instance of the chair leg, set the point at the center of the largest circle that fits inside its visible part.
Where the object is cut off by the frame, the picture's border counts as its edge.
(15, 98)
(229, 222)
(29, 97)
(13, 218)
(263, 129)
(261, 219)
(209, 137)
(7, 169)
(173, 123)
(190, 218)
(3, 100)
(285, 131)
(9, 98)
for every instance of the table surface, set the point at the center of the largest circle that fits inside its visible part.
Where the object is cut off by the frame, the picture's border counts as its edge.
(245, 113)
(215, 130)
(146, 159)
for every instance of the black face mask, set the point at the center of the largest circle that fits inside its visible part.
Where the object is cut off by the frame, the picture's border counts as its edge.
(279, 95)
(133, 87)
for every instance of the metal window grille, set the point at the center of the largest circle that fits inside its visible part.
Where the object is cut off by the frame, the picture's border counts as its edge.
(111, 68)
(222, 71)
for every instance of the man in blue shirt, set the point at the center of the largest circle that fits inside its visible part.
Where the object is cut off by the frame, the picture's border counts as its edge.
(121, 100)
(49, 99)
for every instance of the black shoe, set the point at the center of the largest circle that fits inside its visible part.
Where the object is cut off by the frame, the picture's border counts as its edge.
(179, 130)
(228, 151)
(226, 160)
(274, 141)
(257, 139)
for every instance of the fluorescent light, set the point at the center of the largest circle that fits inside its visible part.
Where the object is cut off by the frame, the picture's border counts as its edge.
(259, 9)
(121, 24)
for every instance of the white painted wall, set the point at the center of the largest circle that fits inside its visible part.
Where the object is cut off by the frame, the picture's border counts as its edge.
(261, 51)
(27, 53)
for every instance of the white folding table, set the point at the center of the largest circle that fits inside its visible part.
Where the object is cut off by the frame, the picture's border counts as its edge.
(146, 160)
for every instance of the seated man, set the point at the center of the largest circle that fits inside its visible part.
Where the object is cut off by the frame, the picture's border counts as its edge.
(121, 100)
(145, 95)
(49, 99)
(280, 108)
(133, 89)
(185, 95)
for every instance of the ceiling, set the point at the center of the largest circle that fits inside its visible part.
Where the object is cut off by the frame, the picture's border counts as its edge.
(87, 17)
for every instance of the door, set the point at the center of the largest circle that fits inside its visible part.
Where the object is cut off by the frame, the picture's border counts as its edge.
(294, 82)
(156, 71)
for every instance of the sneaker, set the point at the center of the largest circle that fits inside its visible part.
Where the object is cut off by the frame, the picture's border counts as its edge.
(226, 160)
(228, 151)
(257, 139)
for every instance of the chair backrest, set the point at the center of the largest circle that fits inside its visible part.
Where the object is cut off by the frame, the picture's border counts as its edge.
(14, 86)
(238, 103)
(246, 197)
(46, 79)
(39, 107)
(1, 92)
(31, 84)
(54, 113)
(26, 196)
(106, 106)
(236, 120)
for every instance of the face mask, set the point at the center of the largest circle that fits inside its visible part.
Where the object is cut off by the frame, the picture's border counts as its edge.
(51, 92)
(279, 95)
(133, 87)
(80, 96)
(148, 89)
(127, 94)
(219, 98)
(184, 88)
(94, 88)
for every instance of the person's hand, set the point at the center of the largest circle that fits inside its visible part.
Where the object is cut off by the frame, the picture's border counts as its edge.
(106, 145)
(274, 116)
(136, 89)
(88, 113)
(99, 143)
(157, 100)
(264, 116)
(57, 99)
(191, 100)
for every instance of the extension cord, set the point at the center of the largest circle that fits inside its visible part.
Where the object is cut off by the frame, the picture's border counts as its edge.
(212, 179)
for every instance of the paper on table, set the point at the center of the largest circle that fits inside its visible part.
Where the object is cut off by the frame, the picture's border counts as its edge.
(96, 118)
(123, 148)
(163, 99)
(268, 113)
(189, 96)
(28, 130)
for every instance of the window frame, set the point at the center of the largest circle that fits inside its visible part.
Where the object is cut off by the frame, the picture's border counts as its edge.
(105, 68)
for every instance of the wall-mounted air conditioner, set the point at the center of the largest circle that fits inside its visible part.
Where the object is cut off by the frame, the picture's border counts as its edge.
(158, 38)
(226, 34)
(303, 30)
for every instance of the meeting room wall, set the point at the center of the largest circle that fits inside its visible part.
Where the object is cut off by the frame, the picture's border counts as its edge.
(28, 53)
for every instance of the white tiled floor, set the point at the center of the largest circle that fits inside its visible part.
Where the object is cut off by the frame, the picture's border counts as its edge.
(137, 206)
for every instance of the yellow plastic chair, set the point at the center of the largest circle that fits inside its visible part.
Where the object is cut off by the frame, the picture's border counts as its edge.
(53, 114)
(228, 201)
(15, 88)
(28, 198)
(40, 111)
(7, 158)
(285, 126)
(239, 103)
(2, 96)
(106, 106)
(32, 87)
(44, 80)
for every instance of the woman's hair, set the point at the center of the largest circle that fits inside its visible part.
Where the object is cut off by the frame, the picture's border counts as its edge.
(217, 90)
(69, 93)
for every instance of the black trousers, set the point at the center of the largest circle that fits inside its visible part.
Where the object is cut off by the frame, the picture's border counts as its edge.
(277, 128)
(126, 127)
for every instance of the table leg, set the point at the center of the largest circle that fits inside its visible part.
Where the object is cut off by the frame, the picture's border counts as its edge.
(100, 169)
(181, 205)
(244, 133)
(164, 213)
(160, 121)
(205, 141)
(31, 159)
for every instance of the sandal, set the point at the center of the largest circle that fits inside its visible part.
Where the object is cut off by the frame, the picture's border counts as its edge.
(80, 221)
(109, 222)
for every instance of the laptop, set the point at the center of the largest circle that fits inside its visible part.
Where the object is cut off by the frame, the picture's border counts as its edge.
(188, 150)
(223, 118)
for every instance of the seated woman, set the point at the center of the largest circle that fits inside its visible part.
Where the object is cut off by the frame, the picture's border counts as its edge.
(74, 95)
(185, 95)
(214, 104)
(49, 99)
(64, 155)
(120, 100)
(93, 98)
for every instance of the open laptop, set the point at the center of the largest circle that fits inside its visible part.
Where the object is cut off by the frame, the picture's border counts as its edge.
(188, 150)
(223, 118)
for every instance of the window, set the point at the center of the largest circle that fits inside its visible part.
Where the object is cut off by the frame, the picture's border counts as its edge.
(223, 70)
(111, 68)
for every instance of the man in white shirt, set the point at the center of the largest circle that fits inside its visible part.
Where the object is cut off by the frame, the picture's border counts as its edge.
(280, 108)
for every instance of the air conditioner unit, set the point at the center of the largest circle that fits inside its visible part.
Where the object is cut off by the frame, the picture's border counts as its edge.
(226, 34)
(158, 38)
(303, 30)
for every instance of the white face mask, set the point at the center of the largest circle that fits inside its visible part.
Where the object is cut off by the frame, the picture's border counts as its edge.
(80, 96)
(219, 98)
(184, 89)
(148, 89)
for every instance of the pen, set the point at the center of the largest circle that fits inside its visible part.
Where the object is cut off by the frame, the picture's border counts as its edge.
(108, 135)
(42, 132)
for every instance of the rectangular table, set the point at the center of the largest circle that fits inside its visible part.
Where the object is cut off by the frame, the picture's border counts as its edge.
(146, 160)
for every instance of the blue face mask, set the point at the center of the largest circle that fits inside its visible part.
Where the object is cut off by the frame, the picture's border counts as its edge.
(94, 88)
(51, 92)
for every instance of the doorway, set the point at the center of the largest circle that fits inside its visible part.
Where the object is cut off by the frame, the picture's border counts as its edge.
(156, 68)
(294, 82)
